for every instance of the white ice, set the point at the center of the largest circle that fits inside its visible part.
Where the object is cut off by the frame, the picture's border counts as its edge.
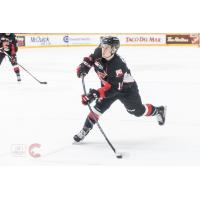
(51, 114)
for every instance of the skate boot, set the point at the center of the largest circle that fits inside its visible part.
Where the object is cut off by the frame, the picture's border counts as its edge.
(18, 78)
(81, 135)
(161, 113)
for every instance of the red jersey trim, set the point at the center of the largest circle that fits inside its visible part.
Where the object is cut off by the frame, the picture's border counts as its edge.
(103, 89)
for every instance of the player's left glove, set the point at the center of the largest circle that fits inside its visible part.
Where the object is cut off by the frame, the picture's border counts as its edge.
(90, 97)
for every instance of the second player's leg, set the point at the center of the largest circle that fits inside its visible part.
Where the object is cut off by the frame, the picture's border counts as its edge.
(13, 61)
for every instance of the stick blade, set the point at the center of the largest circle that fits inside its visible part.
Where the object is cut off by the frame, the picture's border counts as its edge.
(44, 82)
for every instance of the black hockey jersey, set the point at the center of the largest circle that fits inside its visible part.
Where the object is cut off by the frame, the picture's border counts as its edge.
(12, 41)
(114, 74)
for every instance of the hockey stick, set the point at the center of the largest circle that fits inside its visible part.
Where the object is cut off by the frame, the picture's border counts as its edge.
(117, 154)
(41, 82)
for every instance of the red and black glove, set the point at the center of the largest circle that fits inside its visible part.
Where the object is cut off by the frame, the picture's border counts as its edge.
(84, 67)
(82, 70)
(90, 97)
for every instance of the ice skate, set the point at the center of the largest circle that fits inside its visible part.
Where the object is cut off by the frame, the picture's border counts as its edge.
(81, 135)
(161, 115)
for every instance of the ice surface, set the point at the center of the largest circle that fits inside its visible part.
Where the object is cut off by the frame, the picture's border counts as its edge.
(51, 114)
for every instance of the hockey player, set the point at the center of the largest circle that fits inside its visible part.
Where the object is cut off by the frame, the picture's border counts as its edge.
(8, 43)
(116, 84)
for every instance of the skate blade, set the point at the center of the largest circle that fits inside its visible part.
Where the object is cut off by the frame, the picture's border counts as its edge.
(76, 143)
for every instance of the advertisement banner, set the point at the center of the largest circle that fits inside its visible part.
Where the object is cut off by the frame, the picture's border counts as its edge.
(46, 40)
(21, 41)
(64, 40)
(61, 40)
(78, 40)
(194, 38)
(125, 39)
(93, 39)
(182, 39)
(143, 39)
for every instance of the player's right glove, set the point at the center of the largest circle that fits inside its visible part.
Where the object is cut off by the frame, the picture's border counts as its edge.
(90, 97)
(81, 70)
(84, 67)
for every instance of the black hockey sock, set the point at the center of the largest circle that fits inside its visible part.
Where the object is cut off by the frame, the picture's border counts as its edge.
(90, 121)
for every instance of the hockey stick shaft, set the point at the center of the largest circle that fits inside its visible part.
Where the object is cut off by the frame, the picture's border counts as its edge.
(41, 82)
(93, 115)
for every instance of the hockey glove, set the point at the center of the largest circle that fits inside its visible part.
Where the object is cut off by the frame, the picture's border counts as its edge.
(90, 97)
(85, 66)
(5, 45)
(82, 70)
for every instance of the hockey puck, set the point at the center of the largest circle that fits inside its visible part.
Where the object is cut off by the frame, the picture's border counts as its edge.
(118, 155)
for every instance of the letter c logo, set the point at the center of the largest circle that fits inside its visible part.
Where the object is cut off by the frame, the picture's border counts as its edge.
(31, 150)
